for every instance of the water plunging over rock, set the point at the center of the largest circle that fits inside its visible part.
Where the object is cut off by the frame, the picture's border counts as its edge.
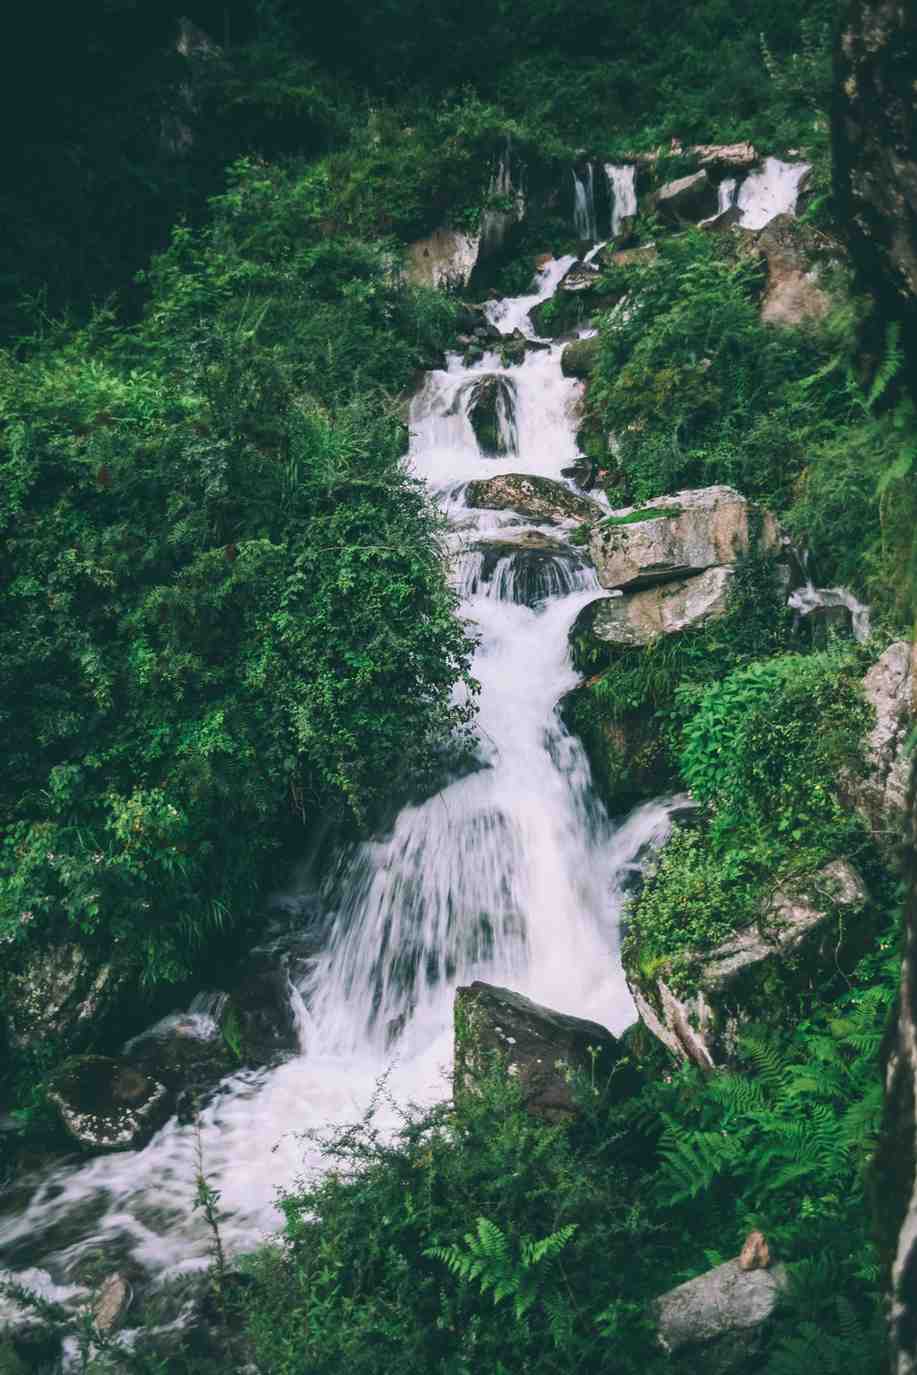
(512, 874)
(490, 402)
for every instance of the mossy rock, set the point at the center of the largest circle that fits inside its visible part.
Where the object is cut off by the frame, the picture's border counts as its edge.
(626, 754)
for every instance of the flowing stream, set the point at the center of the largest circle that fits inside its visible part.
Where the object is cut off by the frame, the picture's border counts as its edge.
(513, 874)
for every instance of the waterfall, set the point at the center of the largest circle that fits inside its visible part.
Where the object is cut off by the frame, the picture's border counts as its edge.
(622, 182)
(726, 194)
(584, 217)
(809, 598)
(772, 191)
(513, 874)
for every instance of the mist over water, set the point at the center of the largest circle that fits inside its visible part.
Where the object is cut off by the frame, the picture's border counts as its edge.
(512, 873)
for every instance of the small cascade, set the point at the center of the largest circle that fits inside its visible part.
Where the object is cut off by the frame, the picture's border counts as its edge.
(489, 402)
(503, 188)
(584, 216)
(622, 182)
(811, 598)
(513, 874)
(772, 191)
(726, 194)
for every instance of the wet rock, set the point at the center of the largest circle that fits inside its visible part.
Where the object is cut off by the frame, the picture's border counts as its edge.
(579, 298)
(445, 258)
(536, 498)
(698, 1005)
(579, 358)
(490, 402)
(539, 1047)
(188, 1053)
(609, 256)
(61, 996)
(687, 199)
(671, 537)
(818, 625)
(626, 755)
(881, 796)
(639, 618)
(725, 156)
(719, 1319)
(106, 1104)
(793, 295)
(532, 566)
(111, 1305)
(259, 1022)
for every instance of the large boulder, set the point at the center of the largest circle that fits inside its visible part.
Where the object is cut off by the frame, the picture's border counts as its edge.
(579, 358)
(447, 257)
(535, 498)
(639, 618)
(671, 537)
(490, 404)
(718, 1321)
(540, 1048)
(60, 996)
(526, 569)
(733, 157)
(689, 198)
(793, 295)
(881, 794)
(106, 1104)
(696, 1004)
(627, 758)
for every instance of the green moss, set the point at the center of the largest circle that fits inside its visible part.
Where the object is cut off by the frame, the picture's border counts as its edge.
(646, 513)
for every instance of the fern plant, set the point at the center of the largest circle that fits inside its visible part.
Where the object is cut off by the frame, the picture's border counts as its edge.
(488, 1260)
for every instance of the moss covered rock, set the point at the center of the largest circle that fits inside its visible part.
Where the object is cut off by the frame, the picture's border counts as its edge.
(106, 1104)
(626, 755)
(536, 498)
(697, 1001)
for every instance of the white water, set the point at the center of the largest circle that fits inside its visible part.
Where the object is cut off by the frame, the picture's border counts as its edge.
(772, 191)
(584, 219)
(809, 598)
(513, 874)
(622, 183)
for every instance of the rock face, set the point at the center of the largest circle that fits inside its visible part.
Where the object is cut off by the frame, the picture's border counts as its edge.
(793, 294)
(718, 1320)
(672, 537)
(106, 1104)
(536, 498)
(800, 930)
(579, 358)
(539, 1047)
(639, 618)
(875, 150)
(491, 407)
(690, 198)
(731, 156)
(445, 258)
(626, 754)
(895, 1166)
(882, 796)
(60, 997)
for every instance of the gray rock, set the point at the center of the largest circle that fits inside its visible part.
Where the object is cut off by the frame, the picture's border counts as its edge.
(447, 257)
(539, 1047)
(725, 156)
(671, 537)
(719, 1317)
(111, 1305)
(529, 567)
(881, 797)
(690, 198)
(60, 996)
(579, 358)
(106, 1104)
(793, 294)
(639, 618)
(536, 498)
(490, 403)
(801, 929)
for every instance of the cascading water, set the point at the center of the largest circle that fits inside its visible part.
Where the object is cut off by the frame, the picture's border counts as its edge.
(584, 216)
(772, 191)
(622, 182)
(513, 874)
